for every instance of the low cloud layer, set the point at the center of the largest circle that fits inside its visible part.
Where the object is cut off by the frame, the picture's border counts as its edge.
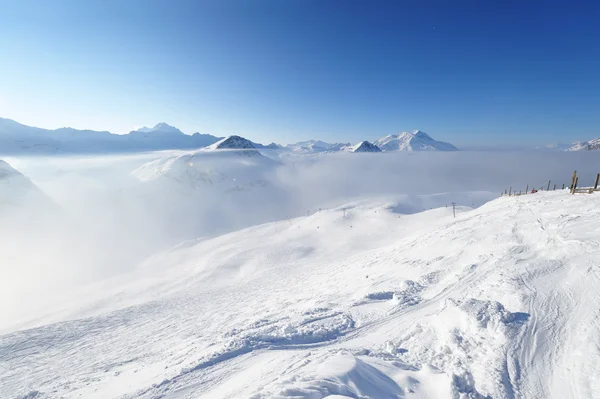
(108, 221)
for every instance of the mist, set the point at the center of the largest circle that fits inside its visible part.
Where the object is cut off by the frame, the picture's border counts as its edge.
(98, 220)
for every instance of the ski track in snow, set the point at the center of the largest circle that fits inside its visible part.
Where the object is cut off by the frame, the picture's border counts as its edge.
(500, 302)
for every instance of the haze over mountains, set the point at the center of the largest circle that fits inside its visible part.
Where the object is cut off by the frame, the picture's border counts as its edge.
(16, 138)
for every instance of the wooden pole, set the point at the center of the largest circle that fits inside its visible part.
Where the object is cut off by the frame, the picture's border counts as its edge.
(597, 178)
(510, 192)
(527, 189)
(554, 188)
(563, 186)
(548, 189)
(573, 180)
(505, 192)
(575, 185)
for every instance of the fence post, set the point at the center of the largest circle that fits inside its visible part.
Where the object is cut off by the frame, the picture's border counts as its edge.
(573, 180)
(554, 188)
(596, 184)
(575, 185)
(527, 189)
(548, 189)
(563, 186)
(510, 192)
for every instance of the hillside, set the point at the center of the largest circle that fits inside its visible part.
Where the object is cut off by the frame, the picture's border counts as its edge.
(501, 301)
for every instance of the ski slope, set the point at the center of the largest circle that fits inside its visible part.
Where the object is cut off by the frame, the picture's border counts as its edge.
(360, 301)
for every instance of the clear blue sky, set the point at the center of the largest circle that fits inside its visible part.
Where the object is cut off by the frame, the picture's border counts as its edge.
(483, 71)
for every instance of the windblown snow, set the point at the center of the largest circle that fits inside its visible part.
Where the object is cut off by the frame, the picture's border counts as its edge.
(359, 301)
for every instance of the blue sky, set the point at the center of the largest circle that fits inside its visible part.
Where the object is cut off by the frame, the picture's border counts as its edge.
(483, 72)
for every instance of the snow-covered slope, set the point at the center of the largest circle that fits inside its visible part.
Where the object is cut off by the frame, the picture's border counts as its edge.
(363, 146)
(415, 141)
(591, 145)
(501, 301)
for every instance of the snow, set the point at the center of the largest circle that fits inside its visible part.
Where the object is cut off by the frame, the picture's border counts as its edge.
(585, 145)
(316, 146)
(363, 146)
(360, 301)
(18, 139)
(233, 143)
(415, 141)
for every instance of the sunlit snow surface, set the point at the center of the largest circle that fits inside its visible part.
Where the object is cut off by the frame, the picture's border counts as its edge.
(358, 301)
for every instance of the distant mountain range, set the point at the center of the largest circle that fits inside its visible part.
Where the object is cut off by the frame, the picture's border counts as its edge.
(590, 145)
(16, 138)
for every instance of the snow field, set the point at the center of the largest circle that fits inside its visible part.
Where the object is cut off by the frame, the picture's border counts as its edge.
(501, 301)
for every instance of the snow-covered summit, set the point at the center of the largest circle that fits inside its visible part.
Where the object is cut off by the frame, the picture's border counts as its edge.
(415, 141)
(591, 145)
(232, 143)
(363, 146)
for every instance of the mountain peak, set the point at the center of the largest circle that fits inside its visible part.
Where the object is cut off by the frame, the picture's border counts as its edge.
(233, 143)
(164, 126)
(415, 141)
(421, 134)
(161, 127)
(364, 146)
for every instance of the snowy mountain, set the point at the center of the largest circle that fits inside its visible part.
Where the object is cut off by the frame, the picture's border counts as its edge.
(356, 301)
(16, 138)
(230, 164)
(213, 190)
(363, 146)
(591, 145)
(232, 143)
(415, 141)
(316, 146)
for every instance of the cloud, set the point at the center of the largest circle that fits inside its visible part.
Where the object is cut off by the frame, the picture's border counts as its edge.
(109, 221)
